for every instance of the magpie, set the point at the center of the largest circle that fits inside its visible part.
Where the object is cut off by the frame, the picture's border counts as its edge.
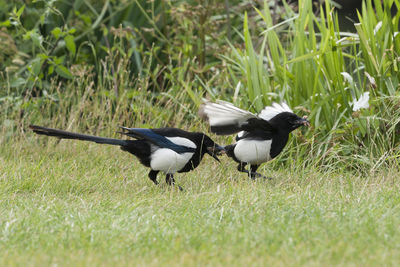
(261, 137)
(167, 150)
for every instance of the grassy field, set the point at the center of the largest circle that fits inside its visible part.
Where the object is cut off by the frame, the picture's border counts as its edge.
(79, 65)
(86, 204)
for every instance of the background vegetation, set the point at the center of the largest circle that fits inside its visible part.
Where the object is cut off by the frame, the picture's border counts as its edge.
(90, 66)
(96, 64)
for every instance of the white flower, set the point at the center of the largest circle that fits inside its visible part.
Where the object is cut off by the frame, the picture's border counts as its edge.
(347, 77)
(362, 102)
(371, 80)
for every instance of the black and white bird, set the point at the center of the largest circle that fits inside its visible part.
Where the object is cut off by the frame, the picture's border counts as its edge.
(167, 150)
(261, 137)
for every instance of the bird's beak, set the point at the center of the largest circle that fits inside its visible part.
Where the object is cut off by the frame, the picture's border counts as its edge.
(213, 151)
(303, 122)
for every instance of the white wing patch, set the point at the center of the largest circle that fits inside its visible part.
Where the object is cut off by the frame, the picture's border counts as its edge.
(271, 111)
(253, 151)
(224, 113)
(240, 134)
(182, 141)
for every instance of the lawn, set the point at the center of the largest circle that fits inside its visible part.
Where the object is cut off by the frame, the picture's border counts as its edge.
(79, 65)
(74, 203)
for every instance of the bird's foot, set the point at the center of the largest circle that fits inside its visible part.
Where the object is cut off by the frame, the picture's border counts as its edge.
(255, 175)
(176, 185)
(171, 182)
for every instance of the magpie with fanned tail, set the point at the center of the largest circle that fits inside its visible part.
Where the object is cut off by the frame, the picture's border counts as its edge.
(261, 137)
(167, 150)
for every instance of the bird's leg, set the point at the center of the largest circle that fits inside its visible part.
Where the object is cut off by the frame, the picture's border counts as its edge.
(153, 176)
(254, 174)
(241, 168)
(169, 179)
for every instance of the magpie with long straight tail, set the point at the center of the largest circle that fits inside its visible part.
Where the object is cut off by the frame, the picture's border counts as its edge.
(261, 137)
(167, 150)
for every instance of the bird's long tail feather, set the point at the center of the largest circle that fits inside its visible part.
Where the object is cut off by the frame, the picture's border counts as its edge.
(70, 135)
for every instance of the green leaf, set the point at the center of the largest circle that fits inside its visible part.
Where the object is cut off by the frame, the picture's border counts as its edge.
(64, 72)
(70, 44)
(50, 70)
(86, 19)
(36, 66)
(42, 18)
(20, 11)
(33, 35)
(58, 60)
(56, 32)
(17, 82)
(6, 23)
(42, 56)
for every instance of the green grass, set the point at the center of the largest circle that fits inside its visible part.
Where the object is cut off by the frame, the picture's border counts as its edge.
(86, 204)
(334, 199)
(306, 61)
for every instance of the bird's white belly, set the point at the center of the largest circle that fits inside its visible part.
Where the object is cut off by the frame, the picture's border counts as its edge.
(168, 161)
(253, 151)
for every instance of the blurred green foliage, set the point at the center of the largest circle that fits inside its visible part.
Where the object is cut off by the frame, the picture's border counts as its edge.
(97, 64)
(42, 40)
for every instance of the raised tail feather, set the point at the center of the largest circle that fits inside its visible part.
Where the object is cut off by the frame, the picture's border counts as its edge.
(70, 135)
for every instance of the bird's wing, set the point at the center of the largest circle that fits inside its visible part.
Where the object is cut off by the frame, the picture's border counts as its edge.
(271, 111)
(240, 135)
(258, 134)
(156, 139)
(225, 118)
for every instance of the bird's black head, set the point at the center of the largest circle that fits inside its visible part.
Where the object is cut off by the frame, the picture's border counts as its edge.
(210, 147)
(288, 121)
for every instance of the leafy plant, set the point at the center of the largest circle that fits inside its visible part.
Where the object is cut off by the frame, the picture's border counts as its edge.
(321, 71)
